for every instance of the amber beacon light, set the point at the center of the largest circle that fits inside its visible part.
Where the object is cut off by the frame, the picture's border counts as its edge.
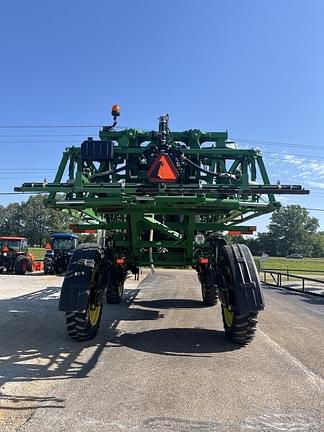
(115, 110)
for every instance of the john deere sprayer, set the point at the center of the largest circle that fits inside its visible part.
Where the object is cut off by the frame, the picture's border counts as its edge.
(162, 198)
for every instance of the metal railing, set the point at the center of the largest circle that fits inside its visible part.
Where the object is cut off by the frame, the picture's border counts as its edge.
(289, 271)
(277, 277)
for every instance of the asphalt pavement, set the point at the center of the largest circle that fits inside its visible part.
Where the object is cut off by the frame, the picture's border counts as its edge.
(160, 362)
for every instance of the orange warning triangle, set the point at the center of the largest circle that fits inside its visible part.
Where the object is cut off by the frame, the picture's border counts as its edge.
(162, 170)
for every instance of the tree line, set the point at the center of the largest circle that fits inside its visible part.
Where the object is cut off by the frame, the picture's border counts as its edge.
(33, 220)
(291, 231)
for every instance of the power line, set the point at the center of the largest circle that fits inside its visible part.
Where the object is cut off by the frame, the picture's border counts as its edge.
(56, 126)
(276, 143)
(27, 169)
(18, 193)
(14, 171)
(73, 142)
(47, 126)
(242, 140)
(239, 140)
(39, 142)
(41, 135)
(294, 154)
(83, 136)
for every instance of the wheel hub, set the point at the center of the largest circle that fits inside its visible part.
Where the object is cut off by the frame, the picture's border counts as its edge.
(93, 313)
(228, 316)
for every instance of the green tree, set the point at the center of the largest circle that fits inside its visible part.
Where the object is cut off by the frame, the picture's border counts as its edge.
(234, 239)
(263, 243)
(40, 221)
(292, 230)
(318, 249)
(11, 220)
(32, 219)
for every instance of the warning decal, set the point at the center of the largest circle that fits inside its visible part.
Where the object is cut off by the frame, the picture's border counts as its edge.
(162, 170)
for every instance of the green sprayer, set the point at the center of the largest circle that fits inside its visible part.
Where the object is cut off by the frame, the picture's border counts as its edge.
(163, 199)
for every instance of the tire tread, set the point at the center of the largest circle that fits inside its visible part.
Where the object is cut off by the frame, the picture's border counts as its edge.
(210, 295)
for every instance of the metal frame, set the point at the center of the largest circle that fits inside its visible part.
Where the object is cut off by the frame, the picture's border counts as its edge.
(219, 187)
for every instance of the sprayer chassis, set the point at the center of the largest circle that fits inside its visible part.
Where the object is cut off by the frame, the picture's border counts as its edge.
(128, 206)
(162, 199)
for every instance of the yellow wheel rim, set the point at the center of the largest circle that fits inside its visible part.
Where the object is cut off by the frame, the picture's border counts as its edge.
(228, 316)
(94, 313)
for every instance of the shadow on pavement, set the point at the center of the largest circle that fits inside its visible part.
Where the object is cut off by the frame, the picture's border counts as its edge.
(33, 340)
(184, 342)
(170, 304)
(306, 297)
(34, 345)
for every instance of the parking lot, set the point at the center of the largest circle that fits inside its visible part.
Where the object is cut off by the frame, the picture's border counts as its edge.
(160, 362)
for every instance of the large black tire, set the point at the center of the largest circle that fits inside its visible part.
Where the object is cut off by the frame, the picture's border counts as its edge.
(114, 293)
(239, 329)
(30, 266)
(58, 270)
(21, 265)
(209, 290)
(84, 324)
(209, 294)
(48, 266)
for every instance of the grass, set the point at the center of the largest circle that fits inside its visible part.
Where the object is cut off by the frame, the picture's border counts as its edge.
(292, 264)
(38, 253)
(280, 263)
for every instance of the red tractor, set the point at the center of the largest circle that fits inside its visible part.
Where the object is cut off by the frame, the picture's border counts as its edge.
(14, 256)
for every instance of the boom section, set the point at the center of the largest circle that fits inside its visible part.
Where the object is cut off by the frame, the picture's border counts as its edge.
(154, 191)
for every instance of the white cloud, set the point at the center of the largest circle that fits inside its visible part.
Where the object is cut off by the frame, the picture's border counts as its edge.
(316, 185)
(294, 160)
(309, 169)
(306, 174)
(316, 168)
(283, 199)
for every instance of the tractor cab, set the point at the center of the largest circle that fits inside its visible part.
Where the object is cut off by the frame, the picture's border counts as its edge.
(58, 256)
(13, 244)
(64, 243)
(14, 256)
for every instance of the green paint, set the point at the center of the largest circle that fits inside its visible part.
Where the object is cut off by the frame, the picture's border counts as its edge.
(128, 206)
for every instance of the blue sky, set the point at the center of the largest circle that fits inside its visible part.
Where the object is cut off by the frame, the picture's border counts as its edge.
(253, 67)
